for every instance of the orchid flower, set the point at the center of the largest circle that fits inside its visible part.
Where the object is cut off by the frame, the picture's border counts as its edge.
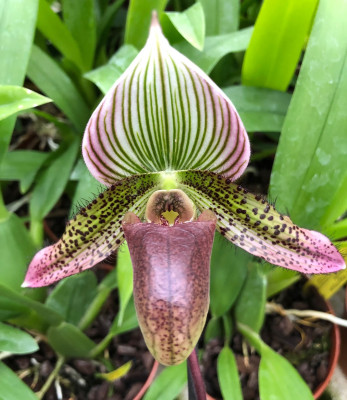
(165, 139)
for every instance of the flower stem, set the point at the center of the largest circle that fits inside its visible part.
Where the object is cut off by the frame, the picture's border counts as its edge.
(196, 386)
(148, 382)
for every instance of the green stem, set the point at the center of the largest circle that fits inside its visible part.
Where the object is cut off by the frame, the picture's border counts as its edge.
(94, 308)
(36, 232)
(100, 347)
(51, 377)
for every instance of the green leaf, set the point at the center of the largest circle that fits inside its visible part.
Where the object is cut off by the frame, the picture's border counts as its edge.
(250, 305)
(278, 279)
(228, 272)
(16, 249)
(260, 109)
(15, 99)
(53, 28)
(17, 27)
(51, 182)
(55, 83)
(314, 131)
(190, 24)
(216, 47)
(228, 375)
(138, 20)
(125, 279)
(337, 206)
(168, 385)
(277, 41)
(214, 329)
(16, 341)
(221, 16)
(73, 295)
(278, 379)
(12, 388)
(80, 18)
(22, 165)
(21, 302)
(104, 77)
(67, 340)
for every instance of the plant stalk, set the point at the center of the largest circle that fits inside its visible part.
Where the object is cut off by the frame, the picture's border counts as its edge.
(196, 386)
(40, 394)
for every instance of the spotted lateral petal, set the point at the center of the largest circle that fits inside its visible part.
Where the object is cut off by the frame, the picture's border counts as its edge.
(164, 114)
(253, 224)
(94, 233)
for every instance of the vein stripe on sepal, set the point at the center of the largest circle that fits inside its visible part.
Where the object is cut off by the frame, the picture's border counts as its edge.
(164, 114)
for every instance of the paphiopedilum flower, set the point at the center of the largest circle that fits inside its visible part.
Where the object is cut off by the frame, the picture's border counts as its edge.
(165, 126)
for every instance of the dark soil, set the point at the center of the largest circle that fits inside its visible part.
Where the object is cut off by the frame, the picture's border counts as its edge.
(305, 346)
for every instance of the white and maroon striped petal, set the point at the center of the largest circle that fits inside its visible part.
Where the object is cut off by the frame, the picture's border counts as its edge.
(93, 234)
(253, 224)
(164, 114)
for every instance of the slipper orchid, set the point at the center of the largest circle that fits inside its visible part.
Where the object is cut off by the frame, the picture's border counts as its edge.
(165, 139)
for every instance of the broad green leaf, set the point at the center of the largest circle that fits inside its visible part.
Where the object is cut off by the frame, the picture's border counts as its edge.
(22, 165)
(16, 249)
(278, 279)
(190, 24)
(12, 387)
(228, 375)
(168, 385)
(216, 47)
(10, 298)
(138, 20)
(15, 99)
(72, 296)
(213, 329)
(54, 29)
(250, 305)
(228, 273)
(310, 163)
(260, 109)
(277, 41)
(17, 27)
(104, 77)
(278, 379)
(221, 16)
(67, 340)
(55, 83)
(16, 341)
(125, 279)
(50, 183)
(80, 18)
(337, 206)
